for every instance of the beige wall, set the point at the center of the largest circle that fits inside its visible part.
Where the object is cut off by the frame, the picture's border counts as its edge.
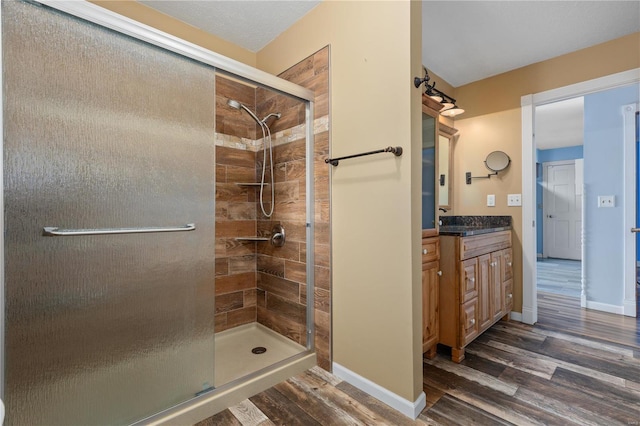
(153, 18)
(375, 53)
(493, 121)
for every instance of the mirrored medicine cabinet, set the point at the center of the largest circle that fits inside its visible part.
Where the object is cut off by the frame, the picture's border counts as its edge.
(437, 140)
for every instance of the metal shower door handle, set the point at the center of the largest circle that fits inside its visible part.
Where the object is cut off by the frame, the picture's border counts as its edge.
(635, 229)
(52, 231)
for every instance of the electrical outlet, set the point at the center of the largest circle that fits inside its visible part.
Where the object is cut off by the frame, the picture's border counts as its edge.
(514, 200)
(491, 200)
(606, 201)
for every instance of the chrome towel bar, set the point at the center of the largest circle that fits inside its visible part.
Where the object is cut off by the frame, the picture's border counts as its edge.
(51, 231)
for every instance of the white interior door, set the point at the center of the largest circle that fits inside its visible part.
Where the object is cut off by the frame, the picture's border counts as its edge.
(631, 224)
(562, 209)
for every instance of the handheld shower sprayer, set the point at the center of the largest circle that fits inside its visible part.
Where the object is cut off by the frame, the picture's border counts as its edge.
(266, 137)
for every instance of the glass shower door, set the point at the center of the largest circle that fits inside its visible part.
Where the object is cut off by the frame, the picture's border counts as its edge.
(104, 132)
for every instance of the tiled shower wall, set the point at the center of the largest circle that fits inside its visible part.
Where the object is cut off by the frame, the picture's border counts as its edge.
(256, 281)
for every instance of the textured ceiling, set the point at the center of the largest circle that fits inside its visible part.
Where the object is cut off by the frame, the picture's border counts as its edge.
(560, 124)
(250, 24)
(466, 41)
(463, 41)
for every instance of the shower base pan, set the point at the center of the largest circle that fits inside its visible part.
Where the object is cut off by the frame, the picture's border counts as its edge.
(241, 350)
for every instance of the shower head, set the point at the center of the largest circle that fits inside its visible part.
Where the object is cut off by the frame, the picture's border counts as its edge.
(234, 104)
(237, 105)
(273, 114)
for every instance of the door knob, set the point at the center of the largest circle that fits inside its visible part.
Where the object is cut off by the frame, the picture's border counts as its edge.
(550, 216)
(635, 229)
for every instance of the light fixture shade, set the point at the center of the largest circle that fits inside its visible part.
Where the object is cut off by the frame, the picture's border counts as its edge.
(446, 106)
(436, 98)
(452, 112)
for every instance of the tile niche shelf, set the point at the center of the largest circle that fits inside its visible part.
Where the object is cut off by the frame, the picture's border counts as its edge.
(252, 184)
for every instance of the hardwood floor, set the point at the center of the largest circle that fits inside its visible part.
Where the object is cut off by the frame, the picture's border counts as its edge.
(559, 276)
(573, 367)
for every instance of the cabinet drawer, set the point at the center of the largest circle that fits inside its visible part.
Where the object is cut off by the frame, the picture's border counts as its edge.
(485, 243)
(430, 249)
(468, 279)
(468, 321)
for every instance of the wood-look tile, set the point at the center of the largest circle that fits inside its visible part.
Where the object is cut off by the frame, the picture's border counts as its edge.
(237, 174)
(228, 302)
(492, 401)
(222, 210)
(291, 250)
(322, 211)
(221, 173)
(241, 211)
(237, 317)
(322, 255)
(450, 410)
(290, 151)
(231, 89)
(300, 72)
(568, 402)
(482, 364)
(537, 367)
(380, 410)
(321, 187)
(232, 193)
(222, 418)
(322, 300)
(321, 146)
(235, 157)
(271, 265)
(296, 171)
(282, 410)
(242, 264)
(278, 286)
(234, 283)
(315, 406)
(248, 414)
(235, 228)
(250, 297)
(282, 325)
(232, 247)
(291, 309)
(222, 266)
(322, 277)
(295, 271)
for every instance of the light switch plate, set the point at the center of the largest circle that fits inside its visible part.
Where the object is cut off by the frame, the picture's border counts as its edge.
(491, 200)
(606, 201)
(514, 199)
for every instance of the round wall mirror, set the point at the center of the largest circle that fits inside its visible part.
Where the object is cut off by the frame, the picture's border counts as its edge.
(497, 161)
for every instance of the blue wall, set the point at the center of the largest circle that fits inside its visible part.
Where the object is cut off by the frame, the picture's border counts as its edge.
(545, 156)
(604, 175)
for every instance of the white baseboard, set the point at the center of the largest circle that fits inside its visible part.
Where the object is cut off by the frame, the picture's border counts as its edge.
(406, 407)
(605, 307)
(515, 316)
(528, 316)
(629, 308)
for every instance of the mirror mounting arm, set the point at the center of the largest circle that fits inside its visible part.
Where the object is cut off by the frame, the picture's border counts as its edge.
(469, 177)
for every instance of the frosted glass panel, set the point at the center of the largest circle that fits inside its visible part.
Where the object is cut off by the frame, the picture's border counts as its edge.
(102, 131)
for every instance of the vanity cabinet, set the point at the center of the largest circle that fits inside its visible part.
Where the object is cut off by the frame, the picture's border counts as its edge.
(430, 288)
(476, 287)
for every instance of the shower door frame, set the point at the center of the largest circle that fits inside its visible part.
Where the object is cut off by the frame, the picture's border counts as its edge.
(227, 66)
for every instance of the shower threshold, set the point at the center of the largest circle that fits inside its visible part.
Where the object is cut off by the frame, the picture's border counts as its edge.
(235, 356)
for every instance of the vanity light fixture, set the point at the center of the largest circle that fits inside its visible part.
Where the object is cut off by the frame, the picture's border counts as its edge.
(449, 107)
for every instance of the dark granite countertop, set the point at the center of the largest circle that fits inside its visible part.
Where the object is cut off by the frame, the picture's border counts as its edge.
(465, 226)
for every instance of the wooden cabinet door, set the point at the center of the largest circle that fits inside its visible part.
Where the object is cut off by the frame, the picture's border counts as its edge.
(508, 295)
(468, 279)
(469, 328)
(485, 308)
(495, 283)
(430, 314)
(507, 264)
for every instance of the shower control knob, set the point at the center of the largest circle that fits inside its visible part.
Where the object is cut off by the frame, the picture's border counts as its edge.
(278, 236)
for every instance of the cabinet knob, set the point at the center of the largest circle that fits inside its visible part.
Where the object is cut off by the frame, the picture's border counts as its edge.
(510, 295)
(424, 251)
(509, 263)
(439, 273)
(473, 321)
(472, 279)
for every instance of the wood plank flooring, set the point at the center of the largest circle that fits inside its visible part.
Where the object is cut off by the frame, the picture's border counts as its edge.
(559, 276)
(574, 367)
